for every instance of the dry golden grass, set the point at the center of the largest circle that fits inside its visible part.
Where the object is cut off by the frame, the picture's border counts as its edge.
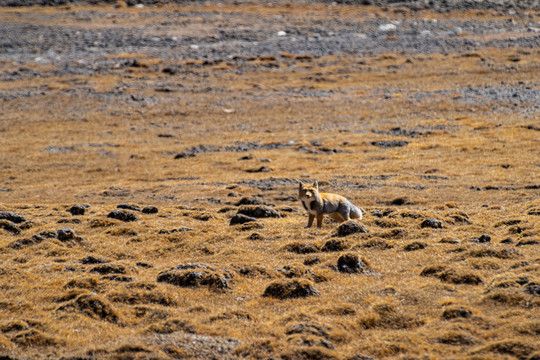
(432, 292)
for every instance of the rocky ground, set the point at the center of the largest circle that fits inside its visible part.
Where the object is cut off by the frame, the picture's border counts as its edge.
(149, 164)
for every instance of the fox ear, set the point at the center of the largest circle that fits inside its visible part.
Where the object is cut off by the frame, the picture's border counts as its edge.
(316, 185)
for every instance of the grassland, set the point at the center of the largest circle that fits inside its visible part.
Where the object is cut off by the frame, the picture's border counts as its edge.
(441, 150)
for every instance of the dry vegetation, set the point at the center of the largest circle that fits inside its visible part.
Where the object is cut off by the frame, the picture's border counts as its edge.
(449, 266)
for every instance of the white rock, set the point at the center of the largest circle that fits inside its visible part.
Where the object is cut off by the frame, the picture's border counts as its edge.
(281, 33)
(139, 6)
(194, 47)
(387, 27)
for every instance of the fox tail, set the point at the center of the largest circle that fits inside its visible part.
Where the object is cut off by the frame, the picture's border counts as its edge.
(356, 213)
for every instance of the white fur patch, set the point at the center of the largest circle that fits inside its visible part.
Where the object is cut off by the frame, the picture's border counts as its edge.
(308, 207)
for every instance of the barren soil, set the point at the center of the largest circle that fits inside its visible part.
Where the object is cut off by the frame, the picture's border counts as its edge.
(149, 159)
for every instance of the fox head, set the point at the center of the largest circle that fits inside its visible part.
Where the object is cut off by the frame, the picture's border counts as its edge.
(308, 192)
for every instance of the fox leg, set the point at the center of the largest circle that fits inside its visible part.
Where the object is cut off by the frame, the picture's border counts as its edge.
(310, 220)
(319, 220)
(344, 213)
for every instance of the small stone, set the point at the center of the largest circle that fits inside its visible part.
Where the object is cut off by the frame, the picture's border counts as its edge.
(184, 155)
(65, 234)
(68, 221)
(182, 229)
(144, 265)
(254, 200)
(150, 210)
(122, 215)
(533, 288)
(259, 212)
(484, 238)
(129, 207)
(390, 143)
(387, 27)
(77, 210)
(449, 240)
(432, 223)
(172, 70)
(241, 219)
(255, 236)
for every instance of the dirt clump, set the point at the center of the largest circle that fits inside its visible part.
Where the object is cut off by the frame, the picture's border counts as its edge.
(12, 217)
(349, 228)
(195, 275)
(290, 289)
(456, 312)
(352, 263)
(302, 248)
(92, 306)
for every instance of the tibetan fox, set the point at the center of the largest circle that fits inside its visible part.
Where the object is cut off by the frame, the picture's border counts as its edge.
(317, 204)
